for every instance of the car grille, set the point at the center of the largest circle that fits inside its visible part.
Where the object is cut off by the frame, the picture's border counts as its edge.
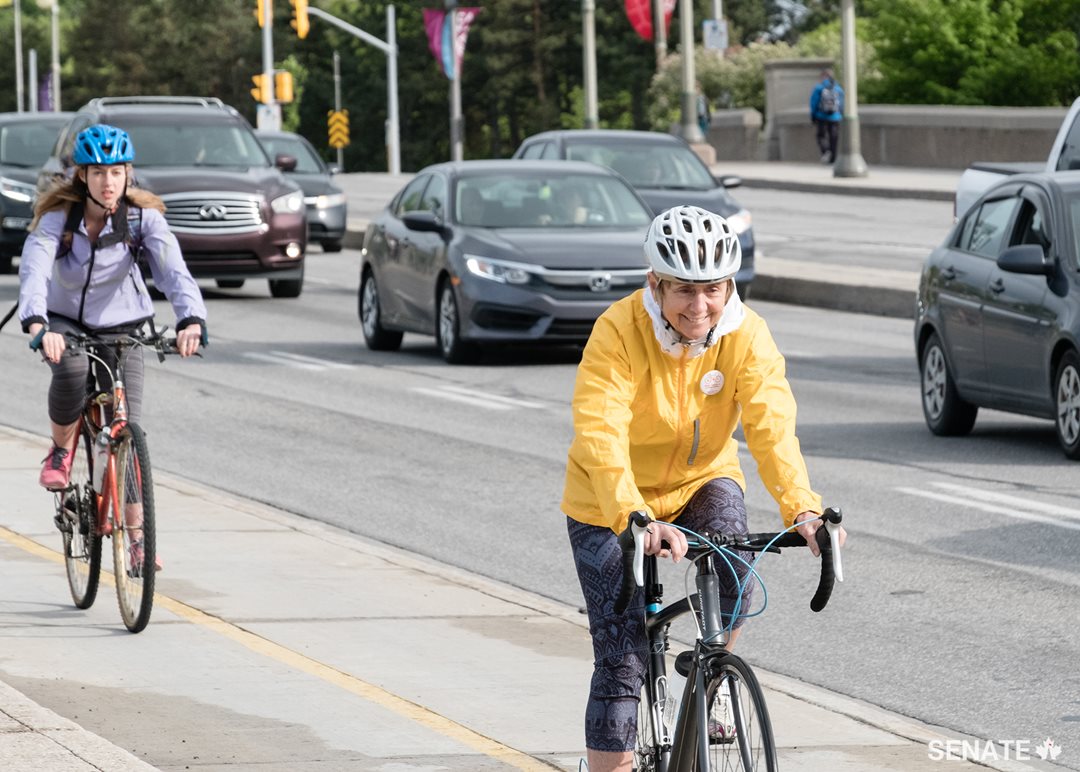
(596, 283)
(212, 213)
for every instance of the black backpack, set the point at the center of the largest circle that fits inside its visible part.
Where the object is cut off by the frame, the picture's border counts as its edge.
(827, 101)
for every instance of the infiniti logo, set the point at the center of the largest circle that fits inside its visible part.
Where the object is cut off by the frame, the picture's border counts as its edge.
(600, 282)
(212, 212)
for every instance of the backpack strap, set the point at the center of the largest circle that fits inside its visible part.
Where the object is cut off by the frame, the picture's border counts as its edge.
(71, 224)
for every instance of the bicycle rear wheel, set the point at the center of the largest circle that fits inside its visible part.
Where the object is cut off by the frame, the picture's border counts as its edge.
(134, 534)
(645, 750)
(740, 733)
(76, 517)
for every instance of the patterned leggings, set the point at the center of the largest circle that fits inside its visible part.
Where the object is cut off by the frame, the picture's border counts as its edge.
(619, 641)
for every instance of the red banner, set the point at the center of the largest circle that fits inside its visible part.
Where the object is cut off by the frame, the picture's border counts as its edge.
(640, 14)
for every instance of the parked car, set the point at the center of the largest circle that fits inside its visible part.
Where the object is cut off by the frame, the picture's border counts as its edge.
(234, 213)
(25, 141)
(480, 252)
(325, 201)
(663, 170)
(998, 310)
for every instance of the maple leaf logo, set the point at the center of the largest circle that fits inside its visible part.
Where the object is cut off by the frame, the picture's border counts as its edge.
(1047, 750)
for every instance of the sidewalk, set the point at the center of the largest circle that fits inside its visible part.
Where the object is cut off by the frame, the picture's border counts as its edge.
(333, 644)
(882, 291)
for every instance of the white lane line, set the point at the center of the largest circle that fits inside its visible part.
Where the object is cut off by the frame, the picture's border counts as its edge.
(279, 361)
(968, 503)
(313, 360)
(496, 397)
(483, 402)
(1016, 501)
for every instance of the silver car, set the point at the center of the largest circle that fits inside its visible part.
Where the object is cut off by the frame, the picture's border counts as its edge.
(482, 252)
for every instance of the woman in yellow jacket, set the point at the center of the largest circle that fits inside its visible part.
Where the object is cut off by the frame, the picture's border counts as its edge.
(665, 378)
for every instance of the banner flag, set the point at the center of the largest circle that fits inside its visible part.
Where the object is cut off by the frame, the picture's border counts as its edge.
(437, 25)
(640, 14)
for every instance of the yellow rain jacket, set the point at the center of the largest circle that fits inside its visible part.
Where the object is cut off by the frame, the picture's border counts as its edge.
(647, 434)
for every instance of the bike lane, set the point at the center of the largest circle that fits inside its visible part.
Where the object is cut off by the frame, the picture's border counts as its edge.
(283, 644)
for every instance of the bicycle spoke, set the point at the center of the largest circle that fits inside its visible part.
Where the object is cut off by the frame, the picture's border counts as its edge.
(76, 515)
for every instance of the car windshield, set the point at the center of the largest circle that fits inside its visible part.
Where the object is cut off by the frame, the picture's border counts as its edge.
(306, 162)
(546, 200)
(27, 144)
(646, 164)
(195, 144)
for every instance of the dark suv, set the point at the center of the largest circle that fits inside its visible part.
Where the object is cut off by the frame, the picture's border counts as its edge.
(234, 213)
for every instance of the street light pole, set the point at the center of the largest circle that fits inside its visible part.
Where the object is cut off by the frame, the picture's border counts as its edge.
(55, 55)
(18, 60)
(690, 130)
(456, 149)
(337, 104)
(849, 162)
(659, 32)
(588, 36)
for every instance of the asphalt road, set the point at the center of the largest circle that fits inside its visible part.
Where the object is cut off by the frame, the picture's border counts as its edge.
(960, 605)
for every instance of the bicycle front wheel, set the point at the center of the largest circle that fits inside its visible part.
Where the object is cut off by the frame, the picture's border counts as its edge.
(134, 533)
(740, 733)
(77, 520)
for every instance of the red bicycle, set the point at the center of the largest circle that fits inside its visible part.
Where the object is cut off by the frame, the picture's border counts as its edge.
(111, 492)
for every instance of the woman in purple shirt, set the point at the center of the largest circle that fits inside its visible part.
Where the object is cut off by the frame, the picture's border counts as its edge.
(79, 272)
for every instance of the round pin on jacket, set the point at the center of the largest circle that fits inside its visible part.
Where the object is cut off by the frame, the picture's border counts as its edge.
(712, 382)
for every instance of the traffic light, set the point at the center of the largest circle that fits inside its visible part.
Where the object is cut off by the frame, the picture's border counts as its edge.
(260, 9)
(260, 91)
(283, 86)
(300, 18)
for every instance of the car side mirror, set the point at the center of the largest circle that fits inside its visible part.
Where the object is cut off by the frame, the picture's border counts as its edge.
(425, 222)
(1026, 259)
(286, 163)
(334, 169)
(728, 180)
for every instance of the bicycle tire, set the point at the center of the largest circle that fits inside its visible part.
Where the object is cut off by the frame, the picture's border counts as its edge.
(77, 517)
(134, 568)
(752, 748)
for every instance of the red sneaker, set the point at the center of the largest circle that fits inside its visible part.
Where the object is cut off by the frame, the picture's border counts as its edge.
(56, 473)
(135, 560)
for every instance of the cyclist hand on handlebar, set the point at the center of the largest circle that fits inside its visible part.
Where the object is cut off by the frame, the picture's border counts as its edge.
(808, 523)
(658, 533)
(52, 343)
(188, 339)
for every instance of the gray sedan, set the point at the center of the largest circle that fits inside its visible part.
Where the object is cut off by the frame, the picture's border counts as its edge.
(498, 251)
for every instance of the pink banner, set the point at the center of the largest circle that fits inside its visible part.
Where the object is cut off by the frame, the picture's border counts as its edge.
(437, 25)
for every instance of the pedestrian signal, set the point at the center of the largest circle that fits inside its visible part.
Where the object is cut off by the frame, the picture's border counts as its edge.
(283, 86)
(338, 122)
(300, 18)
(260, 92)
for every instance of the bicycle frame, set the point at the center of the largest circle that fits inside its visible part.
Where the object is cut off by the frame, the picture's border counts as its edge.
(108, 495)
(679, 748)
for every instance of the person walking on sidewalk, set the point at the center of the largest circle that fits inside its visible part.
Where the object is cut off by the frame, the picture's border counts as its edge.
(826, 112)
(80, 272)
(664, 380)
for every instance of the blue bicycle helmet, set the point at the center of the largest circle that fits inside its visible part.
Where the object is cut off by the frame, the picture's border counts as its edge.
(103, 145)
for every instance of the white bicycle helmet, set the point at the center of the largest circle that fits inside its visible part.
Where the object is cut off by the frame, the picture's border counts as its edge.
(694, 246)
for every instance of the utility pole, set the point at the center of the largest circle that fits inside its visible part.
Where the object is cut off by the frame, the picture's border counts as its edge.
(337, 105)
(31, 85)
(268, 115)
(456, 149)
(588, 36)
(690, 131)
(18, 60)
(55, 65)
(849, 162)
(659, 32)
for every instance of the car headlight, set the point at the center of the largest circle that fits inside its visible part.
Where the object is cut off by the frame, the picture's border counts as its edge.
(329, 201)
(740, 221)
(502, 271)
(289, 203)
(16, 191)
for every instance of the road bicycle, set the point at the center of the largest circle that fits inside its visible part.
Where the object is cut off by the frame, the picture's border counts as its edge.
(111, 490)
(723, 721)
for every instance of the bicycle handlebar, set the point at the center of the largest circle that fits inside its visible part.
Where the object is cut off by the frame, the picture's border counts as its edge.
(631, 542)
(158, 342)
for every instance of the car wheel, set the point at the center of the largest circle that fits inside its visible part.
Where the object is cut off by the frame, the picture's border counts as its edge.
(377, 337)
(331, 246)
(1067, 403)
(448, 331)
(230, 283)
(945, 412)
(287, 288)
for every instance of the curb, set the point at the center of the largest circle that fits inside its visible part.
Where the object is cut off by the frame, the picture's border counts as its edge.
(840, 189)
(865, 299)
